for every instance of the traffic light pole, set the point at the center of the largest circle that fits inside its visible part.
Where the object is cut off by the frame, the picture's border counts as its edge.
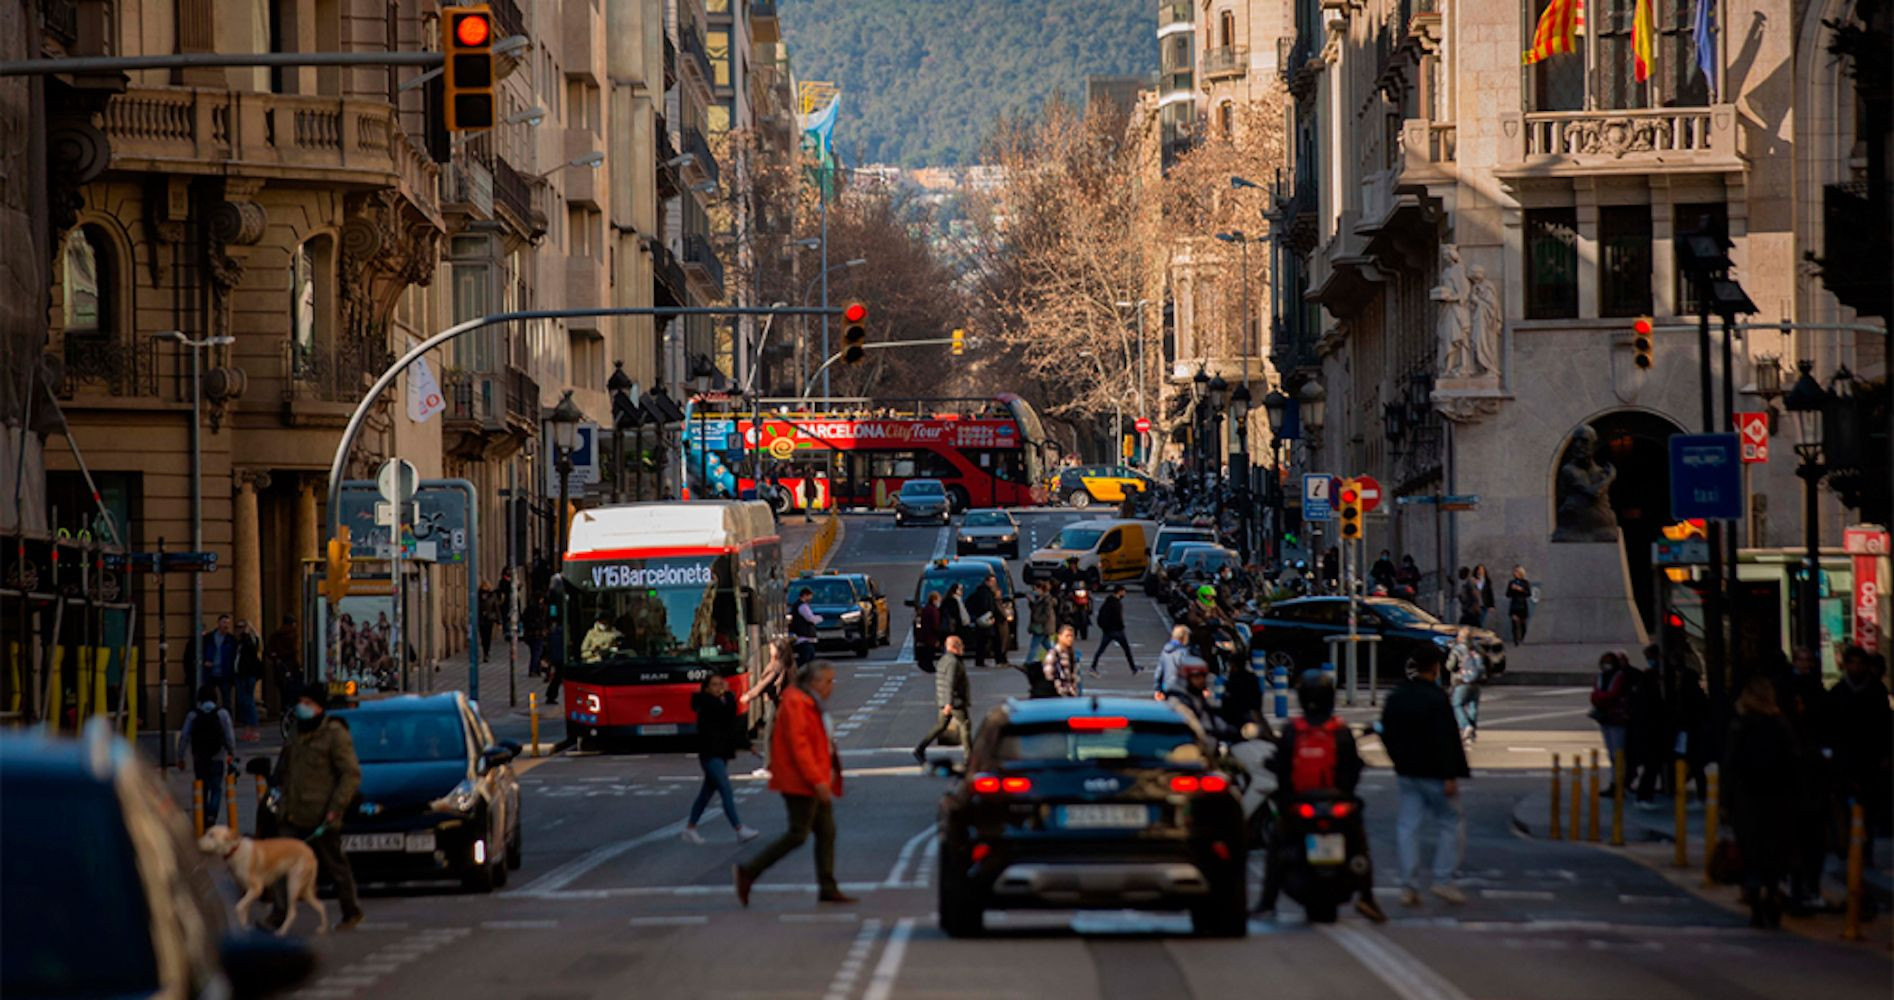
(822, 372)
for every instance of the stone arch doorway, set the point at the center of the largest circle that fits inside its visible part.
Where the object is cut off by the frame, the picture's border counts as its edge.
(1636, 443)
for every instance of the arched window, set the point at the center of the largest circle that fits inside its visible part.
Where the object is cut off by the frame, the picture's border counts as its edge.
(85, 279)
(1226, 29)
(311, 293)
(1226, 119)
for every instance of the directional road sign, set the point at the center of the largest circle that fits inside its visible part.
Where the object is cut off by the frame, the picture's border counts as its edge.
(1706, 478)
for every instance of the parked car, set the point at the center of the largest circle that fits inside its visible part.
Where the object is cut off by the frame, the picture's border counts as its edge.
(1082, 485)
(1171, 535)
(1300, 628)
(439, 799)
(1106, 550)
(922, 500)
(988, 529)
(105, 893)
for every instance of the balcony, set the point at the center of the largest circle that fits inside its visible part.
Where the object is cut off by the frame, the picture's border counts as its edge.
(513, 194)
(667, 275)
(1856, 246)
(99, 364)
(581, 183)
(1177, 12)
(696, 58)
(668, 184)
(579, 26)
(701, 262)
(507, 15)
(467, 188)
(670, 63)
(1171, 83)
(583, 283)
(334, 372)
(1227, 61)
(763, 24)
(1631, 141)
(489, 413)
(1428, 150)
(703, 166)
(185, 130)
(60, 18)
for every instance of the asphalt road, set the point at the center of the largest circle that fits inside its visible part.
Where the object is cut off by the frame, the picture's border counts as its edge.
(612, 903)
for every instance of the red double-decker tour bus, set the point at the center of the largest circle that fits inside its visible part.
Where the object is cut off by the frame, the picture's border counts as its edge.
(856, 453)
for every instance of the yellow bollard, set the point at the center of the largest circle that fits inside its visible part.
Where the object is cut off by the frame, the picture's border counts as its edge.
(57, 692)
(101, 705)
(1558, 820)
(1578, 794)
(197, 805)
(230, 798)
(1857, 842)
(1591, 818)
(1617, 800)
(81, 685)
(532, 706)
(1712, 782)
(1682, 858)
(130, 683)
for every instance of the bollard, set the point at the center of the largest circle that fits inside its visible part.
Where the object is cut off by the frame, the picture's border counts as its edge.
(1591, 818)
(230, 797)
(1712, 781)
(1857, 844)
(1682, 857)
(1617, 799)
(82, 686)
(130, 684)
(532, 705)
(1279, 679)
(1578, 794)
(100, 673)
(197, 805)
(57, 691)
(1557, 824)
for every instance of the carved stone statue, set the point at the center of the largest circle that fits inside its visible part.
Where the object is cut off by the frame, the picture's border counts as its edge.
(1583, 492)
(1453, 321)
(1486, 321)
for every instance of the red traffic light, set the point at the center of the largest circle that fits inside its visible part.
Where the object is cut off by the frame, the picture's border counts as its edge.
(1641, 326)
(473, 30)
(855, 312)
(1350, 495)
(1675, 620)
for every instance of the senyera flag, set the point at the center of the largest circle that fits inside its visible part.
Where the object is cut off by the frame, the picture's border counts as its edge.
(1557, 32)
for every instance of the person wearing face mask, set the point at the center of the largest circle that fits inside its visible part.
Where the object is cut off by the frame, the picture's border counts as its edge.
(319, 775)
(206, 741)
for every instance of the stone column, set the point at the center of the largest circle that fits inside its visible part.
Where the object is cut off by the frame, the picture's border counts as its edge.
(308, 529)
(1663, 250)
(247, 555)
(1590, 263)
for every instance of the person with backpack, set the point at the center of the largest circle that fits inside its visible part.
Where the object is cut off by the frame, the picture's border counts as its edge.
(1042, 620)
(1316, 753)
(206, 741)
(1417, 729)
(1169, 657)
(1466, 669)
(952, 694)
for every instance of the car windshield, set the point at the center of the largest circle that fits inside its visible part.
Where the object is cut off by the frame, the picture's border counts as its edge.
(1182, 550)
(940, 583)
(1210, 559)
(679, 609)
(986, 519)
(1403, 613)
(1079, 538)
(830, 591)
(388, 737)
(73, 914)
(922, 488)
(1171, 542)
(1143, 743)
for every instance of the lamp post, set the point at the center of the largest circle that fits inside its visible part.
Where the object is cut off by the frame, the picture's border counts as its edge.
(1138, 384)
(196, 347)
(565, 439)
(1199, 393)
(1240, 467)
(1313, 400)
(823, 278)
(1219, 397)
(1806, 401)
(1276, 406)
(625, 413)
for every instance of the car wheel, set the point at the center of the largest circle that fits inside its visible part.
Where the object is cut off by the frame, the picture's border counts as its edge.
(957, 499)
(1078, 499)
(500, 870)
(1224, 916)
(961, 914)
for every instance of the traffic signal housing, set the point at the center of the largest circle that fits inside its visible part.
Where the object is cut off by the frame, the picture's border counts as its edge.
(1641, 342)
(960, 341)
(335, 577)
(854, 334)
(1351, 508)
(467, 68)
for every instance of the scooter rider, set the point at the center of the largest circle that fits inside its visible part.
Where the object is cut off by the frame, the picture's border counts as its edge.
(1191, 692)
(1317, 750)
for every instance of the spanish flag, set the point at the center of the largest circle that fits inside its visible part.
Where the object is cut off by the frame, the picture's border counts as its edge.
(1558, 30)
(1643, 40)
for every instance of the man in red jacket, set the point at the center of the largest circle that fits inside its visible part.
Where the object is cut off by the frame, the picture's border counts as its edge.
(805, 770)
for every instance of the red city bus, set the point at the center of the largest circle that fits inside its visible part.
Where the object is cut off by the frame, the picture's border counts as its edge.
(988, 452)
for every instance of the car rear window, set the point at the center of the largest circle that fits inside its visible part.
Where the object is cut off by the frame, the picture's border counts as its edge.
(73, 914)
(1142, 743)
(1170, 541)
(386, 737)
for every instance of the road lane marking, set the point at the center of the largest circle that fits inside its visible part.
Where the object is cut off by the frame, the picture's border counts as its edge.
(1538, 895)
(682, 891)
(818, 918)
(518, 925)
(907, 854)
(843, 984)
(675, 920)
(889, 968)
(1404, 975)
(553, 881)
(1489, 722)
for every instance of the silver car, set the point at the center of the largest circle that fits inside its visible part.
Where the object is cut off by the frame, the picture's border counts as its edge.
(988, 530)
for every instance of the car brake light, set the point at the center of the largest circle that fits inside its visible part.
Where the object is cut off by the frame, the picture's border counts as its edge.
(1340, 810)
(1306, 810)
(986, 784)
(1184, 784)
(1096, 723)
(1215, 783)
(1016, 786)
(980, 851)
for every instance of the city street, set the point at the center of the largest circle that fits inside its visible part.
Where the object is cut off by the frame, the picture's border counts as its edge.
(610, 900)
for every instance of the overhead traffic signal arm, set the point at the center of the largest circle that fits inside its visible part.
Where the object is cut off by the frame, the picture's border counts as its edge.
(467, 69)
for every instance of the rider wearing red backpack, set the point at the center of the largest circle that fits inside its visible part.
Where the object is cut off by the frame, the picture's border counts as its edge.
(1317, 753)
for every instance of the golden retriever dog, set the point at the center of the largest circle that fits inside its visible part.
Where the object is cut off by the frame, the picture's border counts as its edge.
(257, 864)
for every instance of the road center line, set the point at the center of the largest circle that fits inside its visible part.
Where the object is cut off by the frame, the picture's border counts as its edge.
(674, 920)
(889, 968)
(1404, 975)
(564, 875)
(907, 854)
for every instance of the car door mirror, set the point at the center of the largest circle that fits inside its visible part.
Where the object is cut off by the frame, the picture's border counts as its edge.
(261, 964)
(493, 757)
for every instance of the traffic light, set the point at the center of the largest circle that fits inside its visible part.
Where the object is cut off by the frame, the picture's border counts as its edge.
(1641, 341)
(854, 334)
(960, 341)
(335, 579)
(1351, 509)
(467, 72)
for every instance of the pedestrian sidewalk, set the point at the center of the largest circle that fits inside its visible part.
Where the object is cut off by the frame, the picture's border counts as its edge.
(1650, 840)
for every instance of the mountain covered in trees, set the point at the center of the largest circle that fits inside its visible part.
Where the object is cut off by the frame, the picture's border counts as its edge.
(925, 81)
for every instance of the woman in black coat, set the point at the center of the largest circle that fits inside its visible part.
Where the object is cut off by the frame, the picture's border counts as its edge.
(720, 732)
(1759, 781)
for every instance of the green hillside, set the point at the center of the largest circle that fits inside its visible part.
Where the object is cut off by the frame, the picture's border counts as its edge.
(924, 80)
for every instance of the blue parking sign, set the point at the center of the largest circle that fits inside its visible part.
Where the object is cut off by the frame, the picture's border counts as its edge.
(1706, 477)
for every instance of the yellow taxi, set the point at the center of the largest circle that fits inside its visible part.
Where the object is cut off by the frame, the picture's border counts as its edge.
(1082, 485)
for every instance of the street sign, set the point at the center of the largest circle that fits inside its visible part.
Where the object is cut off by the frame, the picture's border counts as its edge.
(1318, 493)
(188, 562)
(384, 514)
(1370, 491)
(1688, 552)
(1142, 425)
(585, 463)
(1753, 429)
(1706, 478)
(397, 481)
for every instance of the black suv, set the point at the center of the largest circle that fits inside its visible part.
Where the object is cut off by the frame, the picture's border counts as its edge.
(1301, 628)
(844, 607)
(1092, 803)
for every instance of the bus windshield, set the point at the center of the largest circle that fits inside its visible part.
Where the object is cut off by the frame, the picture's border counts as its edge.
(675, 609)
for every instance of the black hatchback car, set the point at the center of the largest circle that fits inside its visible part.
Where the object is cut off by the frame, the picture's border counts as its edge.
(439, 799)
(845, 608)
(1301, 628)
(1092, 803)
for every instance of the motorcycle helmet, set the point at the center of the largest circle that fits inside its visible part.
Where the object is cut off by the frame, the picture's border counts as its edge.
(1206, 595)
(1315, 692)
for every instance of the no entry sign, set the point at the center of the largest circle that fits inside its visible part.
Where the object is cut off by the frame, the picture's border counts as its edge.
(1370, 492)
(1142, 425)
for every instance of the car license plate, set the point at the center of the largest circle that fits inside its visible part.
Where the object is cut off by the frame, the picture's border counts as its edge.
(420, 843)
(374, 842)
(669, 729)
(1326, 849)
(1104, 817)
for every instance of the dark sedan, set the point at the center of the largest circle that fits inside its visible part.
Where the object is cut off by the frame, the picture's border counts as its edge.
(1301, 628)
(923, 500)
(988, 530)
(439, 799)
(844, 609)
(1092, 803)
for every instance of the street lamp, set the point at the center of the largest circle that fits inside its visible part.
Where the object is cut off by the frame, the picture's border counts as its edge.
(1240, 466)
(1139, 383)
(592, 160)
(564, 419)
(196, 347)
(1199, 392)
(1276, 406)
(1806, 402)
(625, 413)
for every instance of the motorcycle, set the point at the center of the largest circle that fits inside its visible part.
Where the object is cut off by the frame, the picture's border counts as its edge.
(1321, 847)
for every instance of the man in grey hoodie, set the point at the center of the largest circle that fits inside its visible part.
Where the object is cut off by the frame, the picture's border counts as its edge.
(1176, 649)
(952, 693)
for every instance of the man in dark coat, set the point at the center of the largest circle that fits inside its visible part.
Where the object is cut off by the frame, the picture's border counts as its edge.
(1420, 736)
